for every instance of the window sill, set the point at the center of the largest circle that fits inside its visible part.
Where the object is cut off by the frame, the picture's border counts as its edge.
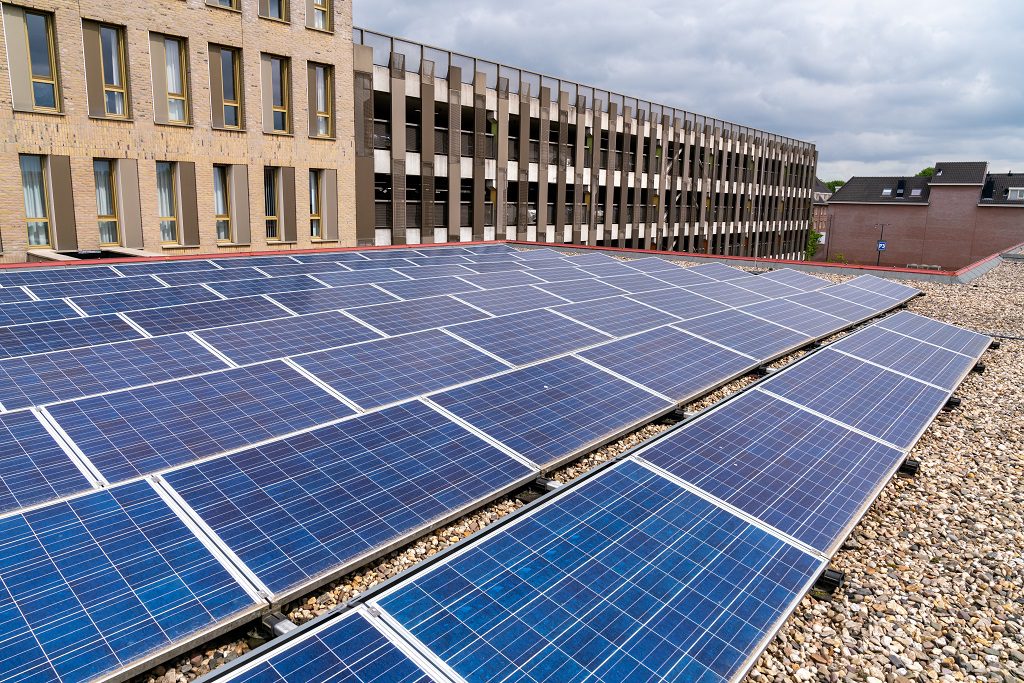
(327, 31)
(233, 244)
(278, 133)
(275, 243)
(236, 10)
(172, 124)
(172, 247)
(275, 19)
(324, 138)
(228, 129)
(43, 112)
(324, 241)
(113, 119)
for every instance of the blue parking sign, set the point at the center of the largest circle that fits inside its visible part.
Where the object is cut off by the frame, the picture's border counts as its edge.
(881, 245)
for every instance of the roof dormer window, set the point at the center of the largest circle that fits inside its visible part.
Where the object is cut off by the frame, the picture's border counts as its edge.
(887, 192)
(1015, 194)
(915, 192)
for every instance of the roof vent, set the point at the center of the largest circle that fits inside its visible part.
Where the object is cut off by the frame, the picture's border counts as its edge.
(938, 172)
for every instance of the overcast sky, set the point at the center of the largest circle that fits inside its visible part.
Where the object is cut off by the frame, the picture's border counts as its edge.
(882, 88)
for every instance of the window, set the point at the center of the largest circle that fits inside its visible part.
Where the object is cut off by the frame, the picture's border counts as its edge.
(322, 101)
(887, 192)
(105, 173)
(321, 15)
(177, 99)
(275, 9)
(42, 60)
(37, 213)
(272, 202)
(167, 200)
(231, 87)
(230, 4)
(280, 87)
(222, 203)
(115, 94)
(915, 192)
(1015, 193)
(316, 177)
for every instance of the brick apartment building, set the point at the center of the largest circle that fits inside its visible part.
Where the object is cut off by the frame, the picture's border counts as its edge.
(211, 126)
(819, 204)
(960, 215)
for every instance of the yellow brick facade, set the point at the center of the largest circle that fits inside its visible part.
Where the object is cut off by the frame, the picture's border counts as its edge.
(75, 134)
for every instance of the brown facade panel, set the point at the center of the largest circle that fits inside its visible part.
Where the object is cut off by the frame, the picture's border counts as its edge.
(65, 231)
(187, 202)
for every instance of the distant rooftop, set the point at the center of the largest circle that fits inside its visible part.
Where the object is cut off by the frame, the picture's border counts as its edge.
(1004, 188)
(960, 173)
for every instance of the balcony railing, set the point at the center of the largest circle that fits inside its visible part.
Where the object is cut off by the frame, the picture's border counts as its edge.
(413, 214)
(440, 214)
(412, 138)
(468, 144)
(381, 135)
(382, 214)
(441, 141)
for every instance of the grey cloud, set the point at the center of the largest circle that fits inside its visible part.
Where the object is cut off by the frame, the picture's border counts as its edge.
(880, 87)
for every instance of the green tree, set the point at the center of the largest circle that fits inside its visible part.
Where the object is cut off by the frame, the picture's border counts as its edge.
(926, 172)
(813, 242)
(835, 184)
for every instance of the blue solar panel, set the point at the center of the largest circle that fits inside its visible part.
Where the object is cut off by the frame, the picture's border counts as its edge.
(438, 260)
(799, 473)
(876, 302)
(397, 368)
(512, 278)
(682, 277)
(847, 310)
(617, 316)
(718, 271)
(25, 340)
(426, 271)
(606, 270)
(291, 283)
(121, 284)
(46, 274)
(13, 295)
(116, 302)
(253, 261)
(798, 317)
(502, 266)
(161, 267)
(552, 411)
(539, 254)
(728, 294)
(33, 468)
(205, 315)
(348, 649)
(262, 341)
(36, 312)
(330, 256)
(420, 314)
(433, 286)
(64, 375)
(391, 254)
(361, 277)
(636, 283)
(681, 303)
(511, 300)
(431, 251)
(885, 287)
(796, 279)
(333, 299)
(765, 287)
(581, 290)
(527, 337)
(561, 274)
(208, 276)
(298, 509)
(911, 357)
(377, 264)
(757, 338)
(147, 429)
(671, 362)
(490, 249)
(866, 397)
(93, 584)
(593, 259)
(932, 331)
(652, 264)
(628, 577)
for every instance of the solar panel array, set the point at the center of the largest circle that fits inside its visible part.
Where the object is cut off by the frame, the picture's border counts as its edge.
(294, 416)
(678, 562)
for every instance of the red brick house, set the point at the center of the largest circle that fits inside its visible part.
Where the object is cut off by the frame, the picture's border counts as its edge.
(960, 215)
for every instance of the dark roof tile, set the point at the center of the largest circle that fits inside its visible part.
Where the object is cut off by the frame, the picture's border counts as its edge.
(870, 190)
(960, 173)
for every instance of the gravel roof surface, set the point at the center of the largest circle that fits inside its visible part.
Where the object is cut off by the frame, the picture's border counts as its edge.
(934, 573)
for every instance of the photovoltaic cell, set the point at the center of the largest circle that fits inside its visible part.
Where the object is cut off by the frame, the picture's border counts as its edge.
(652, 264)
(420, 314)
(397, 368)
(911, 357)
(330, 256)
(608, 270)
(433, 286)
(36, 312)
(636, 283)
(765, 287)
(866, 397)
(361, 277)
(253, 261)
(932, 331)
(206, 315)
(262, 341)
(552, 411)
(377, 264)
(757, 338)
(116, 302)
(391, 254)
(60, 290)
(50, 274)
(797, 317)
(490, 249)
(617, 316)
(297, 509)
(682, 277)
(429, 271)
(878, 303)
(93, 584)
(799, 473)
(25, 340)
(728, 294)
(511, 300)
(510, 278)
(272, 285)
(796, 279)
(840, 308)
(593, 259)
(496, 266)
(13, 295)
(438, 260)
(64, 375)
(348, 649)
(561, 274)
(209, 276)
(628, 577)
(314, 268)
(669, 361)
(161, 267)
(885, 287)
(539, 254)
(33, 468)
(718, 271)
(527, 337)
(681, 303)
(333, 299)
(147, 429)
(581, 290)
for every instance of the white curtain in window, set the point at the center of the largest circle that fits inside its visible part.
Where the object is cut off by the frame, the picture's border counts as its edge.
(220, 201)
(166, 201)
(173, 60)
(322, 122)
(34, 186)
(104, 187)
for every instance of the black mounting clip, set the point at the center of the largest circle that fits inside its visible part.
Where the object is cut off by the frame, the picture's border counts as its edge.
(673, 417)
(994, 345)
(829, 582)
(953, 403)
(979, 368)
(909, 468)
